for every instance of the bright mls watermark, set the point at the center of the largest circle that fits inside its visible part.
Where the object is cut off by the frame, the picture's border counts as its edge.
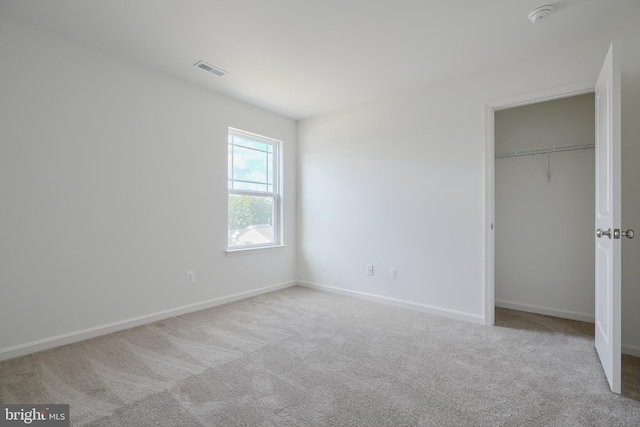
(34, 415)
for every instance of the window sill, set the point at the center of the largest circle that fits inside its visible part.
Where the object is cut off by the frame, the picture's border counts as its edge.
(256, 250)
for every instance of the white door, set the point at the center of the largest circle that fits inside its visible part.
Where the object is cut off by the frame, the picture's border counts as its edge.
(608, 264)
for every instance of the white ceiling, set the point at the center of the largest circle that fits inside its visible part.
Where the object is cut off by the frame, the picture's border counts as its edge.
(302, 58)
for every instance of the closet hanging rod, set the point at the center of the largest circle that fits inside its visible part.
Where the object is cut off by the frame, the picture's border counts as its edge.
(545, 150)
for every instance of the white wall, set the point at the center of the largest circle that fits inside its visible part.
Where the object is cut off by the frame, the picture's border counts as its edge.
(113, 185)
(400, 182)
(544, 252)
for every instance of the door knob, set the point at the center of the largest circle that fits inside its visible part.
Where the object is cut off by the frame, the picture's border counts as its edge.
(617, 233)
(600, 233)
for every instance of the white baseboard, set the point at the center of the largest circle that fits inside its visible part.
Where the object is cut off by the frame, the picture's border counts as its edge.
(584, 317)
(631, 350)
(452, 314)
(47, 343)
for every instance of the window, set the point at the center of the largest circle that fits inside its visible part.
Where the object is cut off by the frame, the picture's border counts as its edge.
(254, 193)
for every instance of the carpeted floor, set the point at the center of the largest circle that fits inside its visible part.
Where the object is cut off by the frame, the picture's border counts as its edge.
(300, 357)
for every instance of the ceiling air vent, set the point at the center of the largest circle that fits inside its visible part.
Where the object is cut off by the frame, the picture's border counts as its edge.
(210, 68)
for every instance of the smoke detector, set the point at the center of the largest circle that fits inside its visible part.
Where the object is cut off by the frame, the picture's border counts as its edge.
(540, 14)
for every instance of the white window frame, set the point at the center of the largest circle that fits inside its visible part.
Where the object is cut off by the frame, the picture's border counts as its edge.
(276, 194)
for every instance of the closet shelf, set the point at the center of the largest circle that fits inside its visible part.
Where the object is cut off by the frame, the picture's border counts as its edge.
(545, 150)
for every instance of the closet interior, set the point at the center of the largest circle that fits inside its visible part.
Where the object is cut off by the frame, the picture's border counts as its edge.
(544, 213)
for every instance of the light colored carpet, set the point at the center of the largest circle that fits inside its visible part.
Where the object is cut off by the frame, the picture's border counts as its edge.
(300, 357)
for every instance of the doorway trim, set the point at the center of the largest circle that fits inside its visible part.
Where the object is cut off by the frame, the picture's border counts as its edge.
(490, 107)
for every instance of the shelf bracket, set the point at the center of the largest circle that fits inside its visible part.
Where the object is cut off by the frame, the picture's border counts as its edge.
(548, 166)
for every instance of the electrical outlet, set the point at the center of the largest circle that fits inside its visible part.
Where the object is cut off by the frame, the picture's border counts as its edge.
(393, 273)
(369, 269)
(191, 277)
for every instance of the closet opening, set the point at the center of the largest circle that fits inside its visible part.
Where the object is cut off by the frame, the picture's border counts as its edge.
(544, 204)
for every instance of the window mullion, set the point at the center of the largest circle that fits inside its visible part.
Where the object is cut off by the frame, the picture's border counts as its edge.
(253, 193)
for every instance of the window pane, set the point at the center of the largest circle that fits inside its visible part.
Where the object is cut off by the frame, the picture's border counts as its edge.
(250, 220)
(249, 165)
